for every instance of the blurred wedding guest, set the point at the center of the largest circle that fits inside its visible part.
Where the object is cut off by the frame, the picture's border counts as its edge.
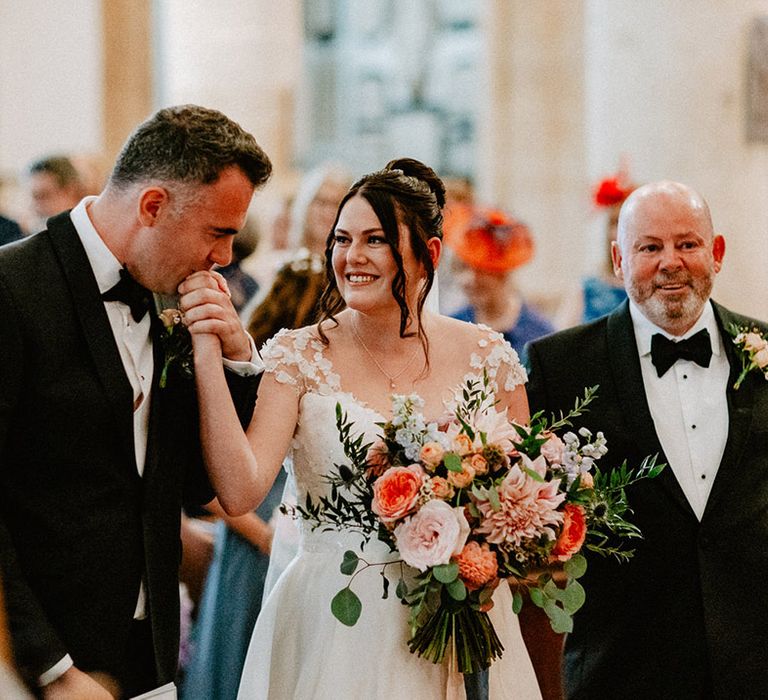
(489, 249)
(242, 286)
(312, 213)
(459, 207)
(54, 185)
(601, 293)
(10, 231)
(235, 584)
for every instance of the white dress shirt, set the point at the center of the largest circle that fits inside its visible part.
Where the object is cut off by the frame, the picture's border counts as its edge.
(688, 406)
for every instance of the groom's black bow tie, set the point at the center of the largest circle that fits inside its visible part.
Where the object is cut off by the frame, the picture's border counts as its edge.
(130, 292)
(665, 352)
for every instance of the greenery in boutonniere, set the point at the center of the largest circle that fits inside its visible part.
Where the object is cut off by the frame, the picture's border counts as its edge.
(177, 346)
(753, 350)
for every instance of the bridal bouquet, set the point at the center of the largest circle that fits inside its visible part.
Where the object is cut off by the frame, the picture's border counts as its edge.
(471, 501)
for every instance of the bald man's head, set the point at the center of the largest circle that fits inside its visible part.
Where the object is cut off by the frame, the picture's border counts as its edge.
(667, 254)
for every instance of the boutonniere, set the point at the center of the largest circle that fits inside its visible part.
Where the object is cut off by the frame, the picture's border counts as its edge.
(177, 346)
(753, 351)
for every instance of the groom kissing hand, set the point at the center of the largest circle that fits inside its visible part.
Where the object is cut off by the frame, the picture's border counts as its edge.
(96, 459)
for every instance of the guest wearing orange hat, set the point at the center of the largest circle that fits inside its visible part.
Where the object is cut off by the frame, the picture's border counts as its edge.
(492, 245)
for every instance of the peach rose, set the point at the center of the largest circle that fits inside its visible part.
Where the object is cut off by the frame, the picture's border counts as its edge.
(395, 493)
(431, 454)
(462, 444)
(761, 358)
(171, 317)
(377, 459)
(572, 535)
(432, 535)
(477, 565)
(479, 463)
(753, 342)
(553, 449)
(441, 488)
(463, 478)
(587, 480)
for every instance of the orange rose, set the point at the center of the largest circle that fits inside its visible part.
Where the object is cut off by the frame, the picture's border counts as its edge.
(463, 478)
(431, 454)
(396, 492)
(477, 565)
(572, 535)
(479, 464)
(441, 488)
(462, 444)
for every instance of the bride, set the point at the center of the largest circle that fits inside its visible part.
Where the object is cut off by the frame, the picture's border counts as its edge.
(375, 339)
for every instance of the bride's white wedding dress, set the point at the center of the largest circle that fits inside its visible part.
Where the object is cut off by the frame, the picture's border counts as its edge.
(298, 649)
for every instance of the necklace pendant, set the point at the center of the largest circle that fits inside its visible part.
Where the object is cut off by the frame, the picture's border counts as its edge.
(392, 384)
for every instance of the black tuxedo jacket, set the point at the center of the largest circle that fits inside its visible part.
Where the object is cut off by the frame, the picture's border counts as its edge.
(687, 617)
(78, 525)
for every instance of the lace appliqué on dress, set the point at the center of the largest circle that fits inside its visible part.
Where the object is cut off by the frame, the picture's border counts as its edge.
(297, 357)
(499, 359)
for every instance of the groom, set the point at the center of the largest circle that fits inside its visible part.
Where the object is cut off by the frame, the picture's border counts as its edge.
(686, 617)
(95, 458)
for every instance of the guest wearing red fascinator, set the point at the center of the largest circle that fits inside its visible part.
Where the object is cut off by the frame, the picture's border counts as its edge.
(602, 292)
(491, 246)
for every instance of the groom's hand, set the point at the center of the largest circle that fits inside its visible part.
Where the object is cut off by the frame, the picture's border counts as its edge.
(73, 684)
(207, 308)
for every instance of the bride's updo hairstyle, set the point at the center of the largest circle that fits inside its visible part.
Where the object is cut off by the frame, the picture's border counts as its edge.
(406, 191)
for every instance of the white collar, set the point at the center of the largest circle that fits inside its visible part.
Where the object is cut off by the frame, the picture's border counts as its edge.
(645, 329)
(106, 267)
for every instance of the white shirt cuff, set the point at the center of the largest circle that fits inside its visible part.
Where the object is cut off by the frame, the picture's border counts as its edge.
(246, 368)
(56, 671)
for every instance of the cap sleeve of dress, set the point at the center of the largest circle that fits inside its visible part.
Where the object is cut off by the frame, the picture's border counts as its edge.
(499, 359)
(297, 358)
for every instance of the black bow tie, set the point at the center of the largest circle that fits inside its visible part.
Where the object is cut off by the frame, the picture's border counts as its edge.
(665, 352)
(130, 292)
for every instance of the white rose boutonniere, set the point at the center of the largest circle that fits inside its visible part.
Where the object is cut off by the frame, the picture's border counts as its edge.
(177, 346)
(753, 350)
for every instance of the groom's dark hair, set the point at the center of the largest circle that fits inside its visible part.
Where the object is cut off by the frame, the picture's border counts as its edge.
(189, 144)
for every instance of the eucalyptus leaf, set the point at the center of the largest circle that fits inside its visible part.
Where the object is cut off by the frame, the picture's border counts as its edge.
(576, 566)
(560, 620)
(350, 562)
(346, 607)
(457, 590)
(446, 573)
(537, 597)
(401, 591)
(517, 602)
(574, 597)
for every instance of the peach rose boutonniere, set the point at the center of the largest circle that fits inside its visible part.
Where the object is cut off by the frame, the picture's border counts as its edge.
(753, 350)
(177, 346)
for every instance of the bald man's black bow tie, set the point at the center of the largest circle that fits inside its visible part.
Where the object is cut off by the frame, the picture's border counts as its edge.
(665, 352)
(130, 292)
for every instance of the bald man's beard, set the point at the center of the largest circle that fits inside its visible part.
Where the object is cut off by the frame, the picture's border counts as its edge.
(683, 308)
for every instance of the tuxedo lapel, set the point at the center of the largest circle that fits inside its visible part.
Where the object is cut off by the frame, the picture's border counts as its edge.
(740, 404)
(625, 368)
(90, 313)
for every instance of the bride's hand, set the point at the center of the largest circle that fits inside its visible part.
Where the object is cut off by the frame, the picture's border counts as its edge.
(211, 317)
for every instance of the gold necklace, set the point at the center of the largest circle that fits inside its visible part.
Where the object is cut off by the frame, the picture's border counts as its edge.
(390, 377)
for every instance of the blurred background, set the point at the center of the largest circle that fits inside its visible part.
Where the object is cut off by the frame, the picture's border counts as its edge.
(522, 105)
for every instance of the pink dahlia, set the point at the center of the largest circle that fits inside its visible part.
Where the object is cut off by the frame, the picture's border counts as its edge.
(527, 510)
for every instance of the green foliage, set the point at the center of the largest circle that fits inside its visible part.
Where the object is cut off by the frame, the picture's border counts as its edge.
(346, 607)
